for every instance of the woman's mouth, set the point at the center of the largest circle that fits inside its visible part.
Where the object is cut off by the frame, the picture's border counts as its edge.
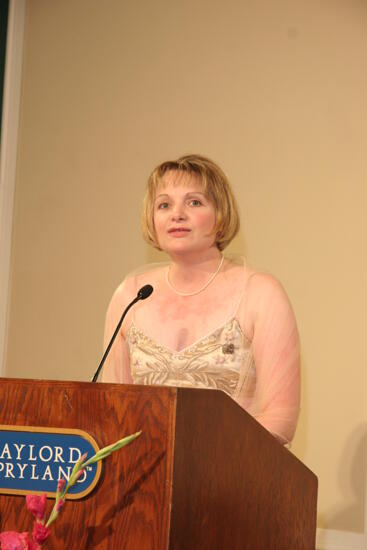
(178, 231)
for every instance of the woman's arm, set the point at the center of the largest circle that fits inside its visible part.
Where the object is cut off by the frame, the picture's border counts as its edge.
(276, 355)
(117, 365)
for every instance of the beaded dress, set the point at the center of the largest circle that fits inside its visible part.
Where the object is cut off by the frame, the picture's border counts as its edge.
(222, 360)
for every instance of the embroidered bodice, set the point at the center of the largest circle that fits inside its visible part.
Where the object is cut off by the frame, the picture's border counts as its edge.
(221, 360)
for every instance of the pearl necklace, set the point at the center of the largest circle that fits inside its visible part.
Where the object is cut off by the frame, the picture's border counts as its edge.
(211, 279)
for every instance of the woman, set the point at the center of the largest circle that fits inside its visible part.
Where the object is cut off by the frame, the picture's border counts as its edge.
(210, 322)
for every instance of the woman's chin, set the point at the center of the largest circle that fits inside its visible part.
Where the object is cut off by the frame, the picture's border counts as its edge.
(188, 252)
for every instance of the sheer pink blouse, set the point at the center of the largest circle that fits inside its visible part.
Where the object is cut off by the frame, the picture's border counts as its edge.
(239, 336)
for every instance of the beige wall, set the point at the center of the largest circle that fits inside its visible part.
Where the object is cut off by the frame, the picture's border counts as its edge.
(275, 92)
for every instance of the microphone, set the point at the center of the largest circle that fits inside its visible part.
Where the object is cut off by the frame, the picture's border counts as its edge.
(145, 292)
(142, 294)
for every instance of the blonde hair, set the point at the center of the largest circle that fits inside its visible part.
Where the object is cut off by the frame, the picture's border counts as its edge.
(215, 186)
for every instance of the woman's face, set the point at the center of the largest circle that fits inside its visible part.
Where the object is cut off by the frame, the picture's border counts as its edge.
(184, 217)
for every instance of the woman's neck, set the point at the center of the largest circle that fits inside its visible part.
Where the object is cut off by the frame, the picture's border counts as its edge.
(187, 273)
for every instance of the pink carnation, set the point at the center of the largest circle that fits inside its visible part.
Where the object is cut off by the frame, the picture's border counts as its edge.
(37, 505)
(40, 532)
(10, 540)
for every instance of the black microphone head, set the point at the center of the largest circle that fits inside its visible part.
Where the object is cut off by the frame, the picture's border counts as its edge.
(144, 292)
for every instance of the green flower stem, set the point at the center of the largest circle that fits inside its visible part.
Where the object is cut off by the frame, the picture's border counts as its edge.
(80, 465)
(53, 515)
(102, 453)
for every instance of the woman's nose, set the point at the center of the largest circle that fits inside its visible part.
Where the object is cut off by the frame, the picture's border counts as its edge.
(178, 212)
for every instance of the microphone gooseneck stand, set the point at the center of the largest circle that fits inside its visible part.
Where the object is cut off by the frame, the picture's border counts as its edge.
(143, 293)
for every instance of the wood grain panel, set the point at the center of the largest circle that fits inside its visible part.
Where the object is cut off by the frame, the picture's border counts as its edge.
(235, 486)
(129, 507)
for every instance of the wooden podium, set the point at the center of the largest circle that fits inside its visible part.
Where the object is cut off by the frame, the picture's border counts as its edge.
(204, 475)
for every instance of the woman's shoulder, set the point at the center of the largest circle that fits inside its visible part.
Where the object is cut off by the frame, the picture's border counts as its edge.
(263, 283)
(263, 297)
(135, 280)
(253, 281)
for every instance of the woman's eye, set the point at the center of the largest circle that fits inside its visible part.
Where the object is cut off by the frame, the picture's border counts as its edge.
(162, 205)
(195, 202)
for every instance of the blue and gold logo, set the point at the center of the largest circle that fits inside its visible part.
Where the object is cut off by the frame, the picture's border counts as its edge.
(33, 459)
